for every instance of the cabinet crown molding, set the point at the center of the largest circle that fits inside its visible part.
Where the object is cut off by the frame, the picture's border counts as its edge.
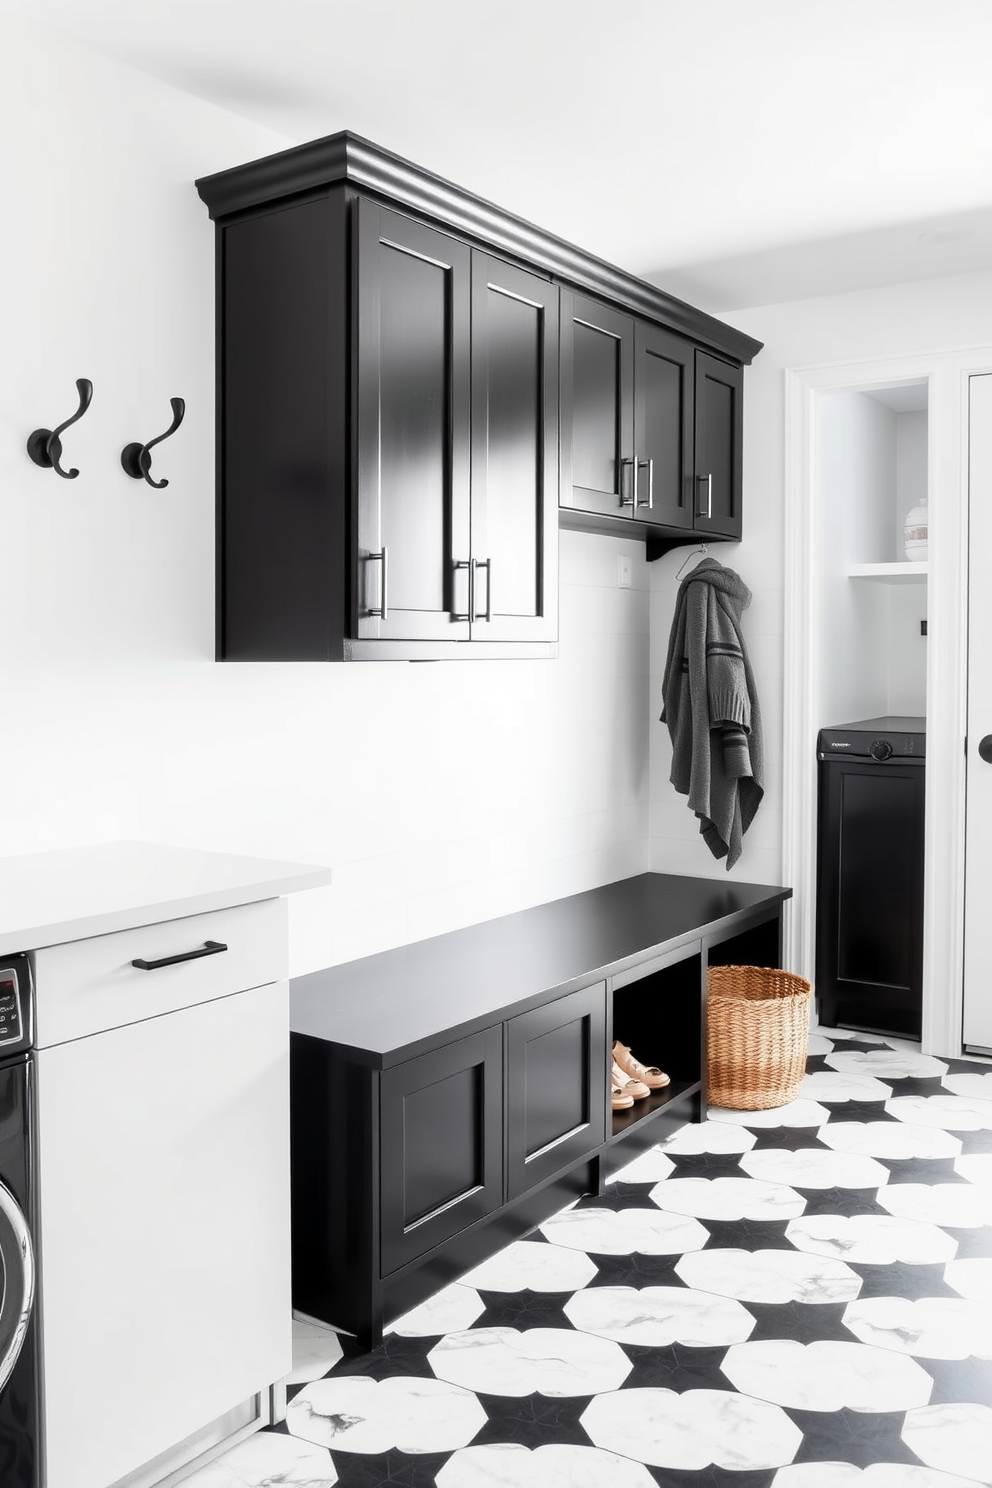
(348, 158)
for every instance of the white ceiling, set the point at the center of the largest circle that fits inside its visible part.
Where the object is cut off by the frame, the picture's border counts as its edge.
(738, 152)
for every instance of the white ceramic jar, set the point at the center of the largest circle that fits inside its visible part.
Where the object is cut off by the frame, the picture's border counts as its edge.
(916, 533)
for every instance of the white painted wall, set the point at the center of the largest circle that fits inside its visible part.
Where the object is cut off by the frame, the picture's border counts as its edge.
(856, 474)
(441, 794)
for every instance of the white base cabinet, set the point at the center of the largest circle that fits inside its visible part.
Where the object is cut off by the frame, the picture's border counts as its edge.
(164, 1212)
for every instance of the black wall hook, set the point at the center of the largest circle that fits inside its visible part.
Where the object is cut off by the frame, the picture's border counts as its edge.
(136, 458)
(45, 445)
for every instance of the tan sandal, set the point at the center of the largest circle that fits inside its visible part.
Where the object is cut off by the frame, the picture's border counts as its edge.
(649, 1075)
(636, 1089)
(619, 1099)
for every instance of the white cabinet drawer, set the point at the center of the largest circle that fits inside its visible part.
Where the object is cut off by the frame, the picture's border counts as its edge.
(88, 986)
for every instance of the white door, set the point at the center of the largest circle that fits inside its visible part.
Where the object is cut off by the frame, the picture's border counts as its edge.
(978, 852)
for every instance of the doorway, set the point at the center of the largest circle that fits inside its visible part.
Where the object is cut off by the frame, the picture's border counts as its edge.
(864, 443)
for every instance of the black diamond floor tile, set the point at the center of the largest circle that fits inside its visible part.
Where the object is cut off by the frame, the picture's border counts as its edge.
(861, 1437)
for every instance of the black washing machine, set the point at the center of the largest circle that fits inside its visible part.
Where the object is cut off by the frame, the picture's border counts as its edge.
(869, 892)
(19, 1423)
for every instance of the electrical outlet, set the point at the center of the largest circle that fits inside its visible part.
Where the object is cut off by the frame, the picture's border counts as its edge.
(624, 571)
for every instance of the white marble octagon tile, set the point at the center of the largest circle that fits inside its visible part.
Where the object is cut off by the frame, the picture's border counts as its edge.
(529, 1266)
(971, 1278)
(877, 1475)
(692, 1431)
(774, 1276)
(893, 1139)
(512, 1465)
(949, 1112)
(796, 1113)
(978, 1085)
(815, 1168)
(659, 1316)
(624, 1231)
(728, 1198)
(358, 1414)
(538, 1361)
(886, 1064)
(957, 1438)
(827, 1375)
(316, 1350)
(976, 1167)
(871, 1239)
(830, 1086)
(447, 1311)
(648, 1168)
(927, 1328)
(959, 1206)
(268, 1457)
(715, 1137)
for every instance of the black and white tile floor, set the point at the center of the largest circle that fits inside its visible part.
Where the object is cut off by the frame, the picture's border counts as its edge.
(799, 1298)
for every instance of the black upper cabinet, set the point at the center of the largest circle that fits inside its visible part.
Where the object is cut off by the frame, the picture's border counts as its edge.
(457, 439)
(391, 376)
(512, 574)
(663, 426)
(719, 440)
(388, 462)
(413, 288)
(652, 430)
(597, 399)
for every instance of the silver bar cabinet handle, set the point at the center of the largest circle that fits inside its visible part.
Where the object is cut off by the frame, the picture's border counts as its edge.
(383, 610)
(709, 496)
(487, 564)
(630, 500)
(649, 504)
(468, 563)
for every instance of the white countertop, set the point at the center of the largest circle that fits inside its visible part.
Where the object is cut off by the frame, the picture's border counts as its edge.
(50, 897)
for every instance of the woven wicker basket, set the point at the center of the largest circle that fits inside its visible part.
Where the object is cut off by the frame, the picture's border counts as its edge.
(757, 1030)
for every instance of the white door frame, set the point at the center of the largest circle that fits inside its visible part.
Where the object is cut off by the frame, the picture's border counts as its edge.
(947, 374)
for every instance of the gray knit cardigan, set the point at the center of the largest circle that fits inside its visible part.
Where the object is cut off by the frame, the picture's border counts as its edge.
(711, 707)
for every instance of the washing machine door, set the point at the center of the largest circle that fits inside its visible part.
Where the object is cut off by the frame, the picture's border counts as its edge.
(17, 1258)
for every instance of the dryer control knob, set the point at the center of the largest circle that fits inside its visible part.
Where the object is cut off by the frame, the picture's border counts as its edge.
(880, 749)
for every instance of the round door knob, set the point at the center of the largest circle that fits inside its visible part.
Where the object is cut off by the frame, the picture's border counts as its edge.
(880, 749)
(985, 749)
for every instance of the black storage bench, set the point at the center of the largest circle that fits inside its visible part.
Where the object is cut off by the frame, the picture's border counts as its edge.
(450, 1094)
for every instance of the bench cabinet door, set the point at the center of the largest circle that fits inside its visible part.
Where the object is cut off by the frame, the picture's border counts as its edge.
(556, 1086)
(441, 1145)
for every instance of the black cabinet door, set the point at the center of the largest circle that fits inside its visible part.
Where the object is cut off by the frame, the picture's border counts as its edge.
(869, 896)
(514, 537)
(441, 1120)
(597, 402)
(413, 290)
(556, 1086)
(719, 441)
(663, 383)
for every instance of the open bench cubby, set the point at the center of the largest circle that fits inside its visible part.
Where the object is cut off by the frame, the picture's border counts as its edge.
(449, 1095)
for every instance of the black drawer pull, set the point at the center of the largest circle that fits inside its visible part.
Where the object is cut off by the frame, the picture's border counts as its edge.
(208, 948)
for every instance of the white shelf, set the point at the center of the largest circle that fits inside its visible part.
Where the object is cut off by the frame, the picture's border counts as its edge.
(889, 573)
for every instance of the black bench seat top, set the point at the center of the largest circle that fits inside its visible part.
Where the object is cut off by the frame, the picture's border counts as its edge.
(385, 1008)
